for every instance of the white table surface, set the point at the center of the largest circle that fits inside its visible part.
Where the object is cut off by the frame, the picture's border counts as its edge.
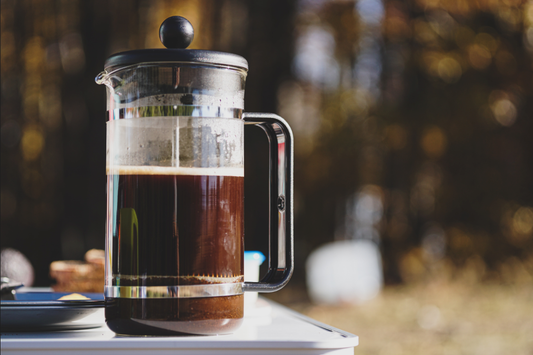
(268, 328)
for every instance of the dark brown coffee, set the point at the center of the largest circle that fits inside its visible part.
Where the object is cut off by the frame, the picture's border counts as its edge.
(170, 316)
(175, 227)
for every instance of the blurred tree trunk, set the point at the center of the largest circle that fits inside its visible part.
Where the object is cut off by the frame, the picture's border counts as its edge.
(269, 51)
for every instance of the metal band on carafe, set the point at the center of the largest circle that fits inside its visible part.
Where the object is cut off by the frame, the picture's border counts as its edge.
(174, 110)
(183, 291)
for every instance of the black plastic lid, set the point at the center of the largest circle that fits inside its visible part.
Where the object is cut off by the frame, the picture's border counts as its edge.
(176, 33)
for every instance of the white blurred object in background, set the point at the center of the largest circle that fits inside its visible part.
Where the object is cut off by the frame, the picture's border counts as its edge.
(16, 266)
(347, 271)
(350, 271)
(252, 262)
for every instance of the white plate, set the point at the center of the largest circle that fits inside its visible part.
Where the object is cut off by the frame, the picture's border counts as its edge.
(38, 311)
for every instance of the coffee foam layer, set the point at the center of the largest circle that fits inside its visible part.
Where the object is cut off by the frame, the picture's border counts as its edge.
(189, 279)
(172, 170)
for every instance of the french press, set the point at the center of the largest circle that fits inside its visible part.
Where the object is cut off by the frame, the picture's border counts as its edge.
(175, 189)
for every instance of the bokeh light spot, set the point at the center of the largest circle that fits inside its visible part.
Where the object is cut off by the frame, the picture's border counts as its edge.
(487, 41)
(32, 143)
(33, 54)
(423, 32)
(72, 53)
(523, 220)
(449, 70)
(504, 112)
(510, 18)
(529, 37)
(434, 142)
(459, 241)
(529, 14)
(428, 317)
(434, 242)
(479, 56)
(314, 61)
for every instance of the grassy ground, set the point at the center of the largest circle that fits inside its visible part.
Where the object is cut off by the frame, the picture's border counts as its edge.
(440, 318)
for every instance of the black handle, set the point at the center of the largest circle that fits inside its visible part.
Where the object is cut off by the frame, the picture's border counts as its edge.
(281, 230)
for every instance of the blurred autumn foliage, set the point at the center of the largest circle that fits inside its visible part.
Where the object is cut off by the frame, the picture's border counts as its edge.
(412, 122)
(429, 104)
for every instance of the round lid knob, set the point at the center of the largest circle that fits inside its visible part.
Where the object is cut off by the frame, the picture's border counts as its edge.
(176, 32)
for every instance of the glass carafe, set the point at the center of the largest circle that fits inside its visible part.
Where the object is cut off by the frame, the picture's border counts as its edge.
(175, 190)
